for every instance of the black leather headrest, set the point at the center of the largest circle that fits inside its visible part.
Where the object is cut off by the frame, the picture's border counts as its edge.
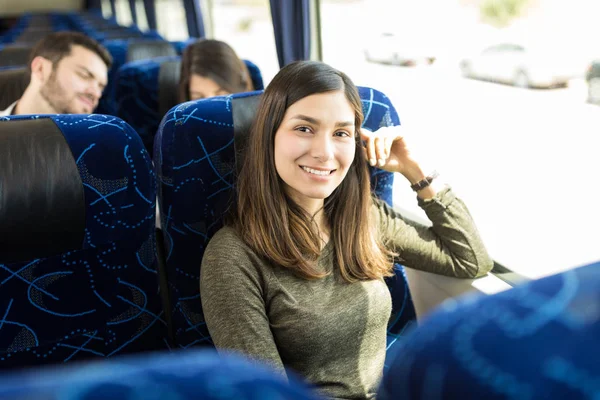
(244, 111)
(144, 49)
(40, 22)
(32, 35)
(168, 82)
(14, 56)
(13, 83)
(42, 207)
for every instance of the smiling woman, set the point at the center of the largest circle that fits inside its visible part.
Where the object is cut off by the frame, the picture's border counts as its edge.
(295, 278)
(313, 154)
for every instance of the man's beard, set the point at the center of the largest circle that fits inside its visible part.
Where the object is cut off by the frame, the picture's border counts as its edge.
(55, 95)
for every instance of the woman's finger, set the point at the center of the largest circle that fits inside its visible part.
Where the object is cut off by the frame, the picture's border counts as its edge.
(365, 134)
(372, 154)
(381, 153)
(389, 141)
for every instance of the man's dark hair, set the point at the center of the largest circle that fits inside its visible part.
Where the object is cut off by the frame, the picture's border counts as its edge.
(56, 46)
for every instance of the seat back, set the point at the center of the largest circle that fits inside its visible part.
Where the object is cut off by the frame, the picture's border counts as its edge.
(31, 36)
(146, 90)
(10, 35)
(78, 273)
(13, 82)
(180, 375)
(534, 341)
(124, 51)
(195, 161)
(146, 49)
(13, 55)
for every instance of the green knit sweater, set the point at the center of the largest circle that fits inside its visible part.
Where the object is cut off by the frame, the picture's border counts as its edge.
(330, 332)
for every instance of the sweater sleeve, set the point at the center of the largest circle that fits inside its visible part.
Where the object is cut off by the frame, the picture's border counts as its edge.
(451, 246)
(232, 293)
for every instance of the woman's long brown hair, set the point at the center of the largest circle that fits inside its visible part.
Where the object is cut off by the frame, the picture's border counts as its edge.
(215, 60)
(277, 228)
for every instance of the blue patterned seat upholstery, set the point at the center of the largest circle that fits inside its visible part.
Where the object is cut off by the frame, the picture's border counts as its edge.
(539, 340)
(180, 375)
(99, 297)
(142, 101)
(194, 157)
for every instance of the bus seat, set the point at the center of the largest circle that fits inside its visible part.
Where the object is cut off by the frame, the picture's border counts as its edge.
(145, 49)
(124, 51)
(255, 75)
(10, 35)
(146, 90)
(109, 31)
(190, 375)
(13, 82)
(538, 340)
(14, 55)
(180, 45)
(29, 37)
(78, 265)
(117, 34)
(194, 159)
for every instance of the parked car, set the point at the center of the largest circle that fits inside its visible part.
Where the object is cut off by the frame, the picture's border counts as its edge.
(393, 48)
(521, 66)
(593, 81)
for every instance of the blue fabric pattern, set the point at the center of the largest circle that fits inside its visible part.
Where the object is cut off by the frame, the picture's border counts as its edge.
(538, 340)
(136, 94)
(175, 376)
(100, 299)
(194, 158)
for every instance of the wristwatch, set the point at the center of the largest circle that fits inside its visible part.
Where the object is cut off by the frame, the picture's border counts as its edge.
(423, 183)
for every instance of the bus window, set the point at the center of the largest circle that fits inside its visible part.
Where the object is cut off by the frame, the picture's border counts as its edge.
(170, 18)
(142, 20)
(123, 12)
(510, 130)
(246, 25)
(106, 10)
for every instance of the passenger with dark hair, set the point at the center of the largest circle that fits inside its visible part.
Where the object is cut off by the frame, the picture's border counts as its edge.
(68, 72)
(211, 68)
(295, 278)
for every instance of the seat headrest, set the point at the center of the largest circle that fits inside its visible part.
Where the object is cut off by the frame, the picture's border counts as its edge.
(42, 205)
(168, 82)
(13, 83)
(144, 49)
(14, 56)
(118, 35)
(243, 109)
(31, 35)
